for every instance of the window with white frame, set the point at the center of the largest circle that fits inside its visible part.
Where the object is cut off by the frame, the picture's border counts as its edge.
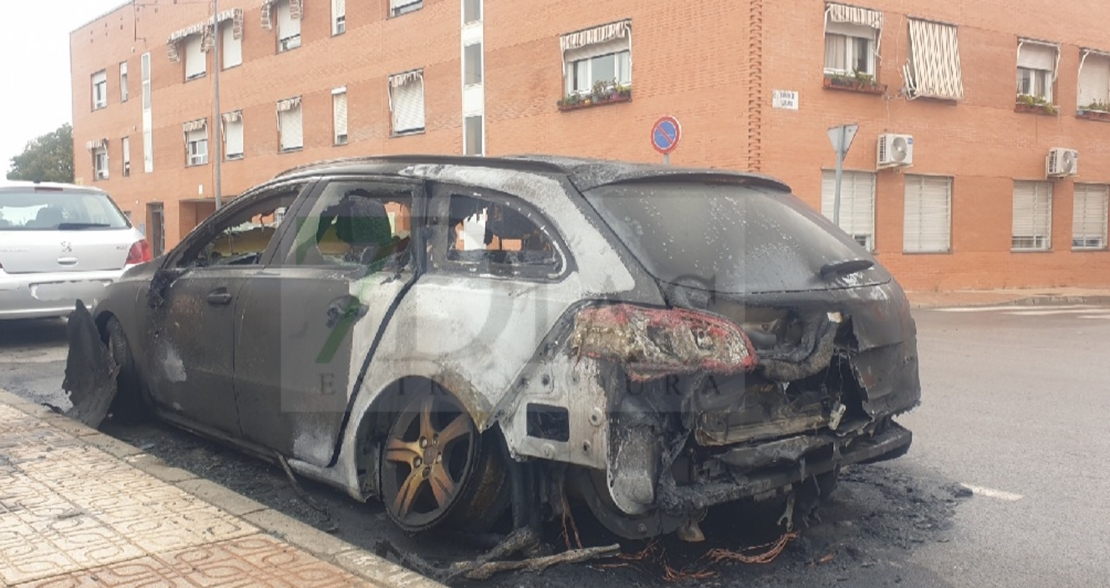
(1036, 69)
(472, 64)
(196, 61)
(1032, 229)
(288, 26)
(231, 44)
(1094, 81)
(927, 219)
(406, 102)
(123, 81)
(126, 145)
(290, 124)
(472, 11)
(1091, 216)
(339, 115)
(399, 7)
(100, 160)
(857, 204)
(100, 89)
(338, 17)
(933, 69)
(598, 58)
(851, 39)
(474, 142)
(196, 142)
(233, 134)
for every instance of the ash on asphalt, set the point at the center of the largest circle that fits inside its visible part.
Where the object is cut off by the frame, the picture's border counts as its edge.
(868, 530)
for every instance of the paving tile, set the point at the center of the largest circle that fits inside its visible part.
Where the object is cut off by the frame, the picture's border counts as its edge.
(145, 572)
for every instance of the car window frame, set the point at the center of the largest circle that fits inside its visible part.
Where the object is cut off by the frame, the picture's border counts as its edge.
(308, 198)
(206, 230)
(439, 219)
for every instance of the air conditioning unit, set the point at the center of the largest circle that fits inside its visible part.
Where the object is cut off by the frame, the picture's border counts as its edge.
(895, 150)
(1062, 163)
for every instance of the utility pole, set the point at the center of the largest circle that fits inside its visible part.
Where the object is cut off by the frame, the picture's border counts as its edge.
(217, 121)
(841, 139)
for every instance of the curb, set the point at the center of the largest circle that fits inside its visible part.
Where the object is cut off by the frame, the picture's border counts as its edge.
(359, 562)
(1022, 301)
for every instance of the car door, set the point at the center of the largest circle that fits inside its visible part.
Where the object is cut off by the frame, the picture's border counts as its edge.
(310, 317)
(193, 326)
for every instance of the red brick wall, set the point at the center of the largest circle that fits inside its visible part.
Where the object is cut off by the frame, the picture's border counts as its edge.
(712, 65)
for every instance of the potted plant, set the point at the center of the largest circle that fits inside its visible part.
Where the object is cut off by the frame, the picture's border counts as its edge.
(1097, 110)
(1034, 105)
(856, 81)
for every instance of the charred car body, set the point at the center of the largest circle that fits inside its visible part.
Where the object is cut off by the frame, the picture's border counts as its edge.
(455, 334)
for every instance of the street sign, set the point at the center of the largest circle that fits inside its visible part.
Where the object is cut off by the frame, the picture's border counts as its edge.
(665, 134)
(841, 139)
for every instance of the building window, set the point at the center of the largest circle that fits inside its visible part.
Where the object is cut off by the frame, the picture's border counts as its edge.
(196, 142)
(123, 81)
(934, 69)
(472, 64)
(196, 61)
(927, 220)
(598, 58)
(1090, 217)
(100, 161)
(288, 26)
(148, 138)
(474, 142)
(233, 135)
(339, 115)
(406, 102)
(338, 17)
(857, 204)
(144, 72)
(1036, 71)
(399, 7)
(231, 45)
(126, 144)
(100, 89)
(472, 11)
(851, 39)
(1094, 81)
(290, 124)
(1032, 216)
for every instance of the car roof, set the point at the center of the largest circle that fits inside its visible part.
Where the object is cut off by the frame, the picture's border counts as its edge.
(584, 173)
(19, 185)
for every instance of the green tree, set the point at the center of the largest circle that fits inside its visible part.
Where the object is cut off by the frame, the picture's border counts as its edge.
(48, 158)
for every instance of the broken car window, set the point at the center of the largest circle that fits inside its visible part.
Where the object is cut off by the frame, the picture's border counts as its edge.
(356, 223)
(242, 238)
(487, 236)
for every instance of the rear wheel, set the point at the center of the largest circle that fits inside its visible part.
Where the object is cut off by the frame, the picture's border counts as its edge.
(437, 469)
(131, 401)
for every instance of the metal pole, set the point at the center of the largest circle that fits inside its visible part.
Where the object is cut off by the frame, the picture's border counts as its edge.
(666, 159)
(217, 122)
(839, 173)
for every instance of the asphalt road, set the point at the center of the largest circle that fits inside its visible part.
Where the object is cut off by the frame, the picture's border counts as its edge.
(1015, 404)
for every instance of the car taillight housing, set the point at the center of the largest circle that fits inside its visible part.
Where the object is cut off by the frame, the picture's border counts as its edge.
(652, 343)
(140, 253)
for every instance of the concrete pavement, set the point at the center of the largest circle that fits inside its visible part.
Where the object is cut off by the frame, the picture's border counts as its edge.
(1017, 296)
(78, 508)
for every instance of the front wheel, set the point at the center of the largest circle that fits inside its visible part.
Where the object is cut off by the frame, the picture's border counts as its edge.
(131, 401)
(437, 469)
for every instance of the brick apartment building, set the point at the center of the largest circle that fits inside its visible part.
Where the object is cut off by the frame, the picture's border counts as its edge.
(982, 97)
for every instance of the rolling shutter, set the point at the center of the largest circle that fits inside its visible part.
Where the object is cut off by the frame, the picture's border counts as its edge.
(1032, 227)
(233, 134)
(339, 111)
(290, 125)
(195, 59)
(407, 102)
(1037, 56)
(1094, 79)
(1089, 219)
(927, 221)
(857, 204)
(232, 49)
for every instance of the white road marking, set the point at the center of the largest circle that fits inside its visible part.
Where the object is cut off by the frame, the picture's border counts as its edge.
(992, 493)
(1096, 316)
(1011, 307)
(1050, 312)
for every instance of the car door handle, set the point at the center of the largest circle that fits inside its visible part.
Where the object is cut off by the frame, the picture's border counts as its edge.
(219, 297)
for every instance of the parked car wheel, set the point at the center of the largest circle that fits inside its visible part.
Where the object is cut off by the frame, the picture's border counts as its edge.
(437, 469)
(131, 401)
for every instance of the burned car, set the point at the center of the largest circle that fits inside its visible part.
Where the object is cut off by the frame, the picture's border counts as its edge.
(458, 335)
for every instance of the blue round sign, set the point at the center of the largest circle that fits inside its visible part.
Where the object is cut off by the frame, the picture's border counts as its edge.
(665, 134)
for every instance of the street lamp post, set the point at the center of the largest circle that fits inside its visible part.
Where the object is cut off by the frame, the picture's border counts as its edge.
(217, 122)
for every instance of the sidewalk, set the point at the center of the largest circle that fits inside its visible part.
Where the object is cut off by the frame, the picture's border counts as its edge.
(1031, 296)
(78, 508)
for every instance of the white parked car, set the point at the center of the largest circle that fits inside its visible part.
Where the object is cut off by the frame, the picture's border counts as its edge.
(60, 243)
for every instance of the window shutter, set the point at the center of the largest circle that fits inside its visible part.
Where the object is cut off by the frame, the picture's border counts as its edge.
(195, 59)
(927, 219)
(233, 138)
(292, 134)
(408, 105)
(1089, 219)
(1094, 79)
(1032, 221)
(338, 12)
(123, 89)
(231, 51)
(857, 203)
(1037, 56)
(339, 104)
(126, 150)
(287, 25)
(144, 74)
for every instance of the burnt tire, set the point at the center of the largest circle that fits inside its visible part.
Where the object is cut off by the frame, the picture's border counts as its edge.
(132, 402)
(461, 485)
